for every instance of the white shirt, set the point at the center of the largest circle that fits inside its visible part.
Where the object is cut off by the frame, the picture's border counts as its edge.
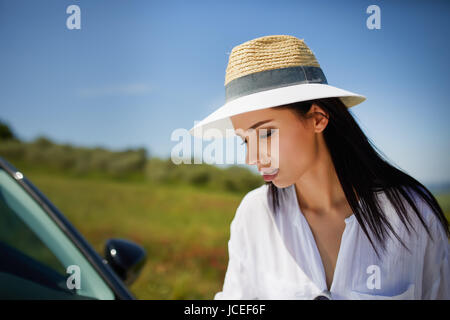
(276, 257)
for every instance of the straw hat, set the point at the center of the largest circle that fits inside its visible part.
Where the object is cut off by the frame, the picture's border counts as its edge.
(267, 72)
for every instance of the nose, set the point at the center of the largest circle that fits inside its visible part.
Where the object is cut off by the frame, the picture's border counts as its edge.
(253, 157)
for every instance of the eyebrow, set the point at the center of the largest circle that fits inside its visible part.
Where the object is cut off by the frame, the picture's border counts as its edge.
(259, 123)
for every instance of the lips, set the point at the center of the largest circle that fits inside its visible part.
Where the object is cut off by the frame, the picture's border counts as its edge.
(270, 175)
(269, 172)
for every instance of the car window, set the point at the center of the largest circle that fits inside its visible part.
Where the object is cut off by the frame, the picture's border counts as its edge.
(38, 260)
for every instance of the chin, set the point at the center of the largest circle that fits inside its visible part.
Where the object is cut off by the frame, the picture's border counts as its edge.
(279, 186)
(280, 183)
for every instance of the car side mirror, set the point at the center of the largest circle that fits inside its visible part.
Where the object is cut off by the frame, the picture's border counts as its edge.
(126, 258)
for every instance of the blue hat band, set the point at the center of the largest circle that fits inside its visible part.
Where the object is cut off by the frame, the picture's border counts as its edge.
(272, 79)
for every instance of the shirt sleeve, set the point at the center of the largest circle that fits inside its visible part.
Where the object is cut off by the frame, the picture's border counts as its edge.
(436, 272)
(236, 284)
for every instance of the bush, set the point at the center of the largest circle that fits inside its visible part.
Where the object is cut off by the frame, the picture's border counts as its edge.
(42, 153)
(6, 133)
(12, 150)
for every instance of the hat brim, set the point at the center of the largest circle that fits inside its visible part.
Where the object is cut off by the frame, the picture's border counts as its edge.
(220, 119)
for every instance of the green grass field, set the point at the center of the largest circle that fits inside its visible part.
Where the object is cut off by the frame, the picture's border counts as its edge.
(184, 230)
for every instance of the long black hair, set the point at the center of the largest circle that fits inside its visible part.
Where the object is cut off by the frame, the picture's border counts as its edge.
(363, 170)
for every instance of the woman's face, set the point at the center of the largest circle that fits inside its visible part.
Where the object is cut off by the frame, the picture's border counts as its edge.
(298, 141)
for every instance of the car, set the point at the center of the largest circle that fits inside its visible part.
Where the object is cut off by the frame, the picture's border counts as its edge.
(43, 256)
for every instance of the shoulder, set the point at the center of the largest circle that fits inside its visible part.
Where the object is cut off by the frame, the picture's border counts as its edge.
(258, 194)
(252, 204)
(425, 210)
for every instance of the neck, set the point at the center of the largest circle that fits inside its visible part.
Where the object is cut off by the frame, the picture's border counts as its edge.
(319, 190)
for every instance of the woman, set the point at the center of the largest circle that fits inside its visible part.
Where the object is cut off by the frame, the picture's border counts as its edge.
(334, 219)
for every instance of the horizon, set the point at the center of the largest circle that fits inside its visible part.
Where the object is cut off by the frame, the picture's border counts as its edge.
(435, 187)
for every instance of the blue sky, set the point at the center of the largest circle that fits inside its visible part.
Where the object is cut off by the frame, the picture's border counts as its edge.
(138, 70)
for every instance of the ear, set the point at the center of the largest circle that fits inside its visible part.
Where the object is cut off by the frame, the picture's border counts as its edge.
(320, 118)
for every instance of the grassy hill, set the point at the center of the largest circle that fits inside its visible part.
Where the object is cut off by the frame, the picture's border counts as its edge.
(184, 230)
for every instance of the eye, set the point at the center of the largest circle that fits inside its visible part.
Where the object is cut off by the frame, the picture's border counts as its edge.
(269, 133)
(262, 136)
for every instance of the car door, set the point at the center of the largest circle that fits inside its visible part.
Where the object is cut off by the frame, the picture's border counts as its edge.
(39, 258)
